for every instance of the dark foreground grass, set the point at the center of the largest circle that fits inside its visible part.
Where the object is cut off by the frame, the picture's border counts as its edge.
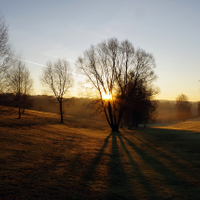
(82, 159)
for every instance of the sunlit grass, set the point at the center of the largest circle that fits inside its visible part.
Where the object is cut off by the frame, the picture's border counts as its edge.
(189, 125)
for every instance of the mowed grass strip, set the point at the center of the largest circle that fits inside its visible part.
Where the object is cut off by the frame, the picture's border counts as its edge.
(82, 159)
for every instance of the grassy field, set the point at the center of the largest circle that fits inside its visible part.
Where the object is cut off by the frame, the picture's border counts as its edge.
(82, 159)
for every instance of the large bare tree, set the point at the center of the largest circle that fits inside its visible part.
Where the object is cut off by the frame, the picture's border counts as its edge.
(5, 53)
(19, 83)
(57, 77)
(114, 69)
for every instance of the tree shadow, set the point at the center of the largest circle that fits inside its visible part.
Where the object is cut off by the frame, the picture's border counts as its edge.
(174, 144)
(175, 171)
(88, 176)
(96, 160)
(149, 192)
(121, 184)
(118, 181)
(125, 166)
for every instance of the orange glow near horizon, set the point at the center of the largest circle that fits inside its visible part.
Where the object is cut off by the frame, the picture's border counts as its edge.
(106, 96)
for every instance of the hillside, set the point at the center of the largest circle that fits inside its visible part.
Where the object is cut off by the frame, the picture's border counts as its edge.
(82, 159)
(189, 125)
(83, 107)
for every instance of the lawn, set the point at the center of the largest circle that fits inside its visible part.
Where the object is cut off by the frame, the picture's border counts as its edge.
(82, 159)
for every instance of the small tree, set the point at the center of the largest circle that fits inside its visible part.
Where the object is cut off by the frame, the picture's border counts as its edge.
(183, 107)
(20, 83)
(56, 76)
(5, 53)
(114, 69)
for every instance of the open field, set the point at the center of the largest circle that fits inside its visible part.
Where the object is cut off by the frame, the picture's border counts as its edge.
(82, 159)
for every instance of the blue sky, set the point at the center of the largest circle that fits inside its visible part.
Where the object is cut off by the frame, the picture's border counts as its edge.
(43, 30)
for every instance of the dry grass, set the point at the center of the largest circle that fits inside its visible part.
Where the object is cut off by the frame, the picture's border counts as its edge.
(81, 159)
(192, 125)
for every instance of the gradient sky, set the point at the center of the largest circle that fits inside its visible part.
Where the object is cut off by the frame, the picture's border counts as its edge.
(43, 30)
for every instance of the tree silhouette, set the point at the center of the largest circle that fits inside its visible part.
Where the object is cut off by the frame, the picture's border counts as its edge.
(20, 83)
(142, 106)
(114, 69)
(56, 76)
(5, 53)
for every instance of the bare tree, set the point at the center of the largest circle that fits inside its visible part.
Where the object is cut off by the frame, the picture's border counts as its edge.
(20, 83)
(5, 53)
(183, 107)
(56, 76)
(114, 69)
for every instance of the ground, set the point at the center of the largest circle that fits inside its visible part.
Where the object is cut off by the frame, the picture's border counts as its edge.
(82, 159)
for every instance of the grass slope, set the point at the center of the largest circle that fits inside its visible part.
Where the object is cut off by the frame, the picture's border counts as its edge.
(81, 159)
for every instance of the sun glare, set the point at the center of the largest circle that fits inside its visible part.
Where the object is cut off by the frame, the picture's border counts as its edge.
(106, 96)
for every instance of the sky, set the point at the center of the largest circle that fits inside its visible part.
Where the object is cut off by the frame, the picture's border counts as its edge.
(45, 30)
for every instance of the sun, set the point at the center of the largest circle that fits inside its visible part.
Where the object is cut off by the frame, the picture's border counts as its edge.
(106, 96)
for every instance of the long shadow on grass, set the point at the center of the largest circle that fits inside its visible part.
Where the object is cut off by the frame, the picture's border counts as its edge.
(181, 186)
(89, 174)
(147, 188)
(119, 185)
(87, 180)
(149, 184)
(117, 181)
(183, 141)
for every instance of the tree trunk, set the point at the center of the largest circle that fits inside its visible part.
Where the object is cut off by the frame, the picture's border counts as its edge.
(130, 120)
(113, 124)
(110, 113)
(19, 106)
(61, 111)
(115, 127)
(19, 112)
